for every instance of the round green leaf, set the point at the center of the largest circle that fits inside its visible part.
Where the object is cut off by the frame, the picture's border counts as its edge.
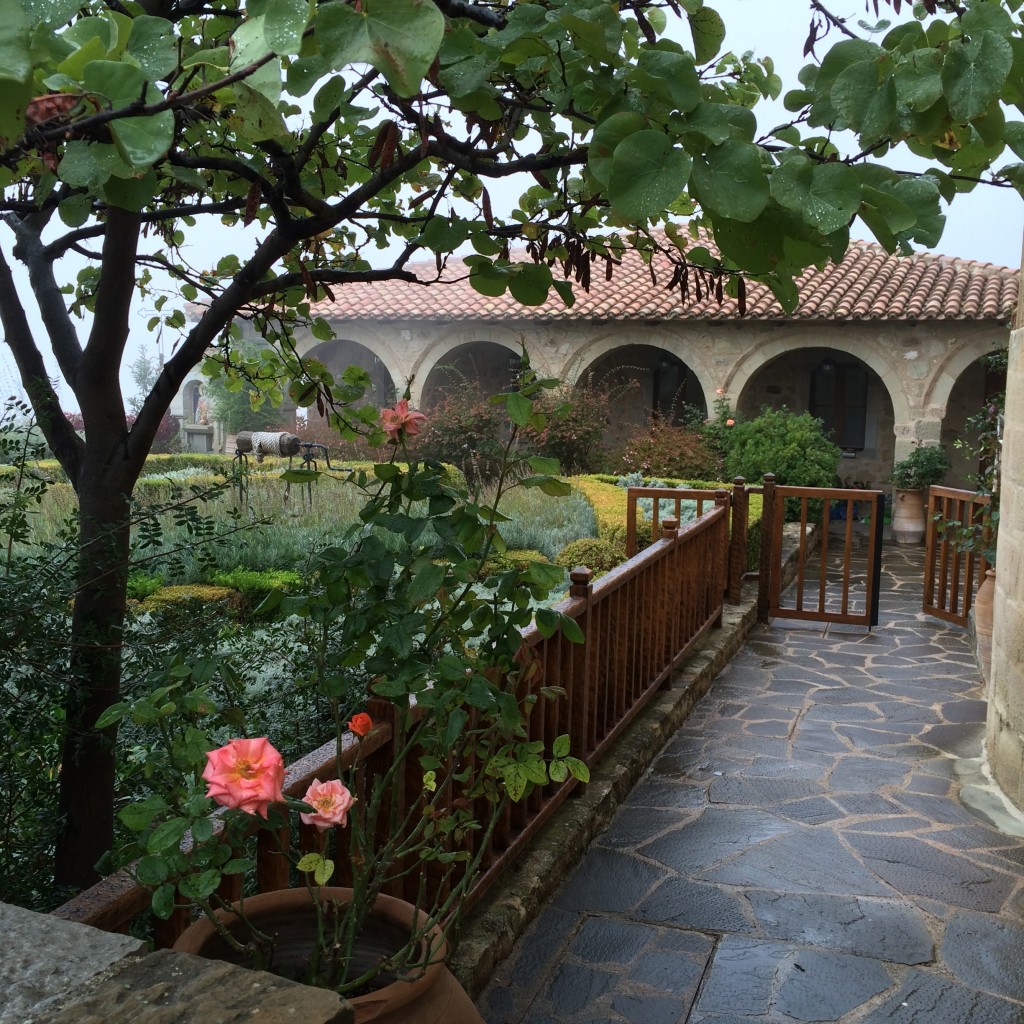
(973, 74)
(708, 33)
(284, 23)
(141, 141)
(530, 283)
(670, 76)
(607, 136)
(398, 37)
(152, 46)
(648, 173)
(919, 79)
(151, 870)
(730, 181)
(825, 195)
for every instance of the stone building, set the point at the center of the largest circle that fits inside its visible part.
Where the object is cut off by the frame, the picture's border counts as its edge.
(884, 349)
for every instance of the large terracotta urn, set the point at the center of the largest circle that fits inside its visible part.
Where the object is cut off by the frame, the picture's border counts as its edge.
(908, 516)
(982, 608)
(434, 997)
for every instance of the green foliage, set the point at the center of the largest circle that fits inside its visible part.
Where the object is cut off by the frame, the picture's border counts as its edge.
(924, 466)
(142, 585)
(463, 429)
(793, 447)
(257, 584)
(546, 523)
(577, 420)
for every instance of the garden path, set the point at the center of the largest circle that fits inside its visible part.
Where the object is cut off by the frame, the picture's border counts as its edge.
(816, 843)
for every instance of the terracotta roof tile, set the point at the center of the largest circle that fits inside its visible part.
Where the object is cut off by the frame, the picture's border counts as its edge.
(867, 284)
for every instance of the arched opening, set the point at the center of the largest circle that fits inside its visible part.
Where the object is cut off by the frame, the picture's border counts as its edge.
(973, 391)
(337, 356)
(482, 368)
(645, 381)
(843, 392)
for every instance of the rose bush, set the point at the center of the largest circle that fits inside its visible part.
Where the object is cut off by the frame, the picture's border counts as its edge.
(409, 610)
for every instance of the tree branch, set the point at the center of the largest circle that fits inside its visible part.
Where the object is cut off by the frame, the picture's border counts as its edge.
(63, 441)
(486, 16)
(61, 333)
(97, 385)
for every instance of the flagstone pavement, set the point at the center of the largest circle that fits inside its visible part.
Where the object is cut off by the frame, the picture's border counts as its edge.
(816, 843)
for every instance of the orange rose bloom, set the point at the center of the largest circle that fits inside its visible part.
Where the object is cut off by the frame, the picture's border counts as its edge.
(360, 724)
(247, 774)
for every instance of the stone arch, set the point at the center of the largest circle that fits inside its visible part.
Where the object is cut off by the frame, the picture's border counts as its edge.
(486, 366)
(959, 358)
(439, 352)
(584, 357)
(341, 353)
(644, 379)
(768, 351)
(838, 386)
(975, 385)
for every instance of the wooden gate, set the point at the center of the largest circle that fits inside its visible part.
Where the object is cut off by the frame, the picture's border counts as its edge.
(838, 567)
(952, 576)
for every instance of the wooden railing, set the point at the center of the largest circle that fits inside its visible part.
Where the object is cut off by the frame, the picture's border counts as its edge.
(639, 622)
(951, 575)
(737, 501)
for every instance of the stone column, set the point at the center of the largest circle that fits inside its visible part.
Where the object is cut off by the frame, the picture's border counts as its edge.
(1005, 731)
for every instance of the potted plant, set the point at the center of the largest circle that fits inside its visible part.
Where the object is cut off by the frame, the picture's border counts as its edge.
(400, 614)
(911, 477)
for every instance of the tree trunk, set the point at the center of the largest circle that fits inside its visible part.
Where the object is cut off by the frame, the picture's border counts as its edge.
(87, 773)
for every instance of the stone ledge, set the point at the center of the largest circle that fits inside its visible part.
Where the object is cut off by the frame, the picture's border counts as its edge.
(44, 959)
(177, 988)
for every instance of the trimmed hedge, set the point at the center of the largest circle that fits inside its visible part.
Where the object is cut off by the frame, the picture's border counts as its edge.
(609, 501)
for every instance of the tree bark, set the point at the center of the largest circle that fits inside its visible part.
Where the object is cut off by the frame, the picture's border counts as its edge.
(88, 762)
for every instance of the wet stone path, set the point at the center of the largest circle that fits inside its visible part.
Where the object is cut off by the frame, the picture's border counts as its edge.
(799, 851)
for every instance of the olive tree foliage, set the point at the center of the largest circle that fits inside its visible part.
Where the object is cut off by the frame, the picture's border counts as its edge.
(323, 130)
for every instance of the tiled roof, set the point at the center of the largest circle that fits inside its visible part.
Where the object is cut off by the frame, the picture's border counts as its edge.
(868, 284)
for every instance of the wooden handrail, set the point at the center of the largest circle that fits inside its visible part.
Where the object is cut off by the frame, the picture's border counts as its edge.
(639, 621)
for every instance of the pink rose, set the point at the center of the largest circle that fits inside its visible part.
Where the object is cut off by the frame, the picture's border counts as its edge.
(332, 801)
(400, 420)
(730, 423)
(246, 774)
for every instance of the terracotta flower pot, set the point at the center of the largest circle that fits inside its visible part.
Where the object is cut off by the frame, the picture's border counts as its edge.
(435, 997)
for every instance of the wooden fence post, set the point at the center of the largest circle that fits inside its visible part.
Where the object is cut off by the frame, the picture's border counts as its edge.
(581, 688)
(764, 580)
(738, 539)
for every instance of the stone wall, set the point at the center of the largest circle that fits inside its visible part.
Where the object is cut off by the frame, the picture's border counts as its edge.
(1005, 739)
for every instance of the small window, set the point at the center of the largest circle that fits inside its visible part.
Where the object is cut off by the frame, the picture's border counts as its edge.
(839, 398)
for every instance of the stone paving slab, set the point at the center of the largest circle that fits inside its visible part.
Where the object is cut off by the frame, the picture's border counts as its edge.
(802, 840)
(29, 983)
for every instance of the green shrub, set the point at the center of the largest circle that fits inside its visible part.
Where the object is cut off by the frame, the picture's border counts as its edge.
(257, 583)
(141, 585)
(578, 418)
(596, 553)
(923, 467)
(513, 558)
(793, 447)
